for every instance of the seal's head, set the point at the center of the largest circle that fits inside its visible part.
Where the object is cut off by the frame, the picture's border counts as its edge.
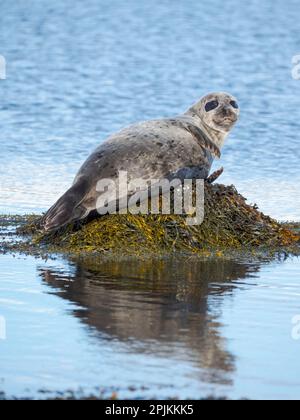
(218, 111)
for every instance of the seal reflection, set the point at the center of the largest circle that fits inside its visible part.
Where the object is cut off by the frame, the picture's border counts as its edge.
(166, 307)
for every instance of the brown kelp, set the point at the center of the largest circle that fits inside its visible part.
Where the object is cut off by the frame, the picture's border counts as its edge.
(230, 223)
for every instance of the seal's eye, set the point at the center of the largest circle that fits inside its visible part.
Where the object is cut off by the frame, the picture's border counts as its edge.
(211, 105)
(234, 104)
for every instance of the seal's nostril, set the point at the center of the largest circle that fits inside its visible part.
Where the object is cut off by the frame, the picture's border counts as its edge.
(226, 111)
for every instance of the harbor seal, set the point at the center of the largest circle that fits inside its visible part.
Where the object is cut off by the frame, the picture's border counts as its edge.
(182, 147)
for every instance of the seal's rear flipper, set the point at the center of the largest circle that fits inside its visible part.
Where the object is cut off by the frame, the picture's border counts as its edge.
(67, 209)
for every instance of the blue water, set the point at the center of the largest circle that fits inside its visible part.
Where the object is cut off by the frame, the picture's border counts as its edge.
(78, 71)
(171, 328)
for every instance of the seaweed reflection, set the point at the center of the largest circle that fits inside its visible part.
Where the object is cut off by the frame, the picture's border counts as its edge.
(167, 307)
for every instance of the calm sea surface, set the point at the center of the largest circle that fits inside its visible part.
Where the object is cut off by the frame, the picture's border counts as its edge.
(78, 71)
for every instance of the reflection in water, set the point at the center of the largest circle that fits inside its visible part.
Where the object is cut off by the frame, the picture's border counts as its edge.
(162, 307)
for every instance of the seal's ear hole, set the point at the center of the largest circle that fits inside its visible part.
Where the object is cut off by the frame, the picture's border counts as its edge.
(211, 105)
(234, 104)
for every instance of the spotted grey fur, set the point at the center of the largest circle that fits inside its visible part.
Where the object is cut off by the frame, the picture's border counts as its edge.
(183, 147)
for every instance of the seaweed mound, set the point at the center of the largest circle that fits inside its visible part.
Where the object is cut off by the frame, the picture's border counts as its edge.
(230, 223)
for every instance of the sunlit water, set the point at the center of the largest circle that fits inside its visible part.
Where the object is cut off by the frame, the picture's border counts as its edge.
(77, 72)
(158, 329)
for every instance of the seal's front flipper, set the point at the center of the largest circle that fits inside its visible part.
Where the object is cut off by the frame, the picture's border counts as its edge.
(214, 176)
